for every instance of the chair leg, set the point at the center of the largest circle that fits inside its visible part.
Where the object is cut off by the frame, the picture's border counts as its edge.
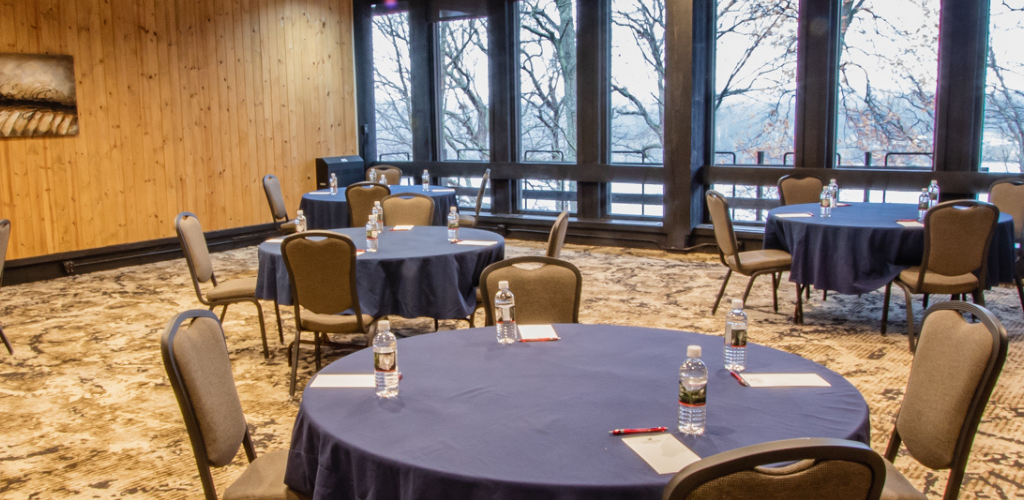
(280, 329)
(979, 297)
(721, 291)
(223, 312)
(316, 348)
(295, 362)
(436, 324)
(746, 292)
(775, 290)
(807, 290)
(263, 328)
(6, 342)
(885, 306)
(1020, 290)
(924, 301)
(798, 314)
(911, 335)
(824, 295)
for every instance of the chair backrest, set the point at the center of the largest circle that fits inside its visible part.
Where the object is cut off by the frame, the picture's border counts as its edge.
(824, 468)
(360, 197)
(408, 208)
(724, 233)
(272, 188)
(547, 290)
(795, 189)
(1008, 196)
(322, 271)
(480, 194)
(556, 238)
(5, 236)
(955, 368)
(393, 174)
(197, 254)
(957, 235)
(197, 363)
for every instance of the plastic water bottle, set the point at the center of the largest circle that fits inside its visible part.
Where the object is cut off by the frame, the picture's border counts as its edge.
(736, 337)
(371, 234)
(693, 393)
(933, 194)
(923, 203)
(383, 179)
(833, 193)
(826, 202)
(505, 312)
(300, 221)
(453, 225)
(380, 215)
(373, 175)
(426, 180)
(334, 183)
(385, 361)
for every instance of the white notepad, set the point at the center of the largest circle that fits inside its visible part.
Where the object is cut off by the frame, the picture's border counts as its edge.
(785, 380)
(477, 243)
(320, 193)
(909, 223)
(404, 227)
(534, 333)
(663, 452)
(275, 240)
(794, 216)
(344, 380)
(441, 190)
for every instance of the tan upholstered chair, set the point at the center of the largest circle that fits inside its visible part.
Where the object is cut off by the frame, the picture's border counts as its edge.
(547, 290)
(393, 174)
(360, 197)
(957, 235)
(196, 359)
(1008, 196)
(753, 263)
(408, 208)
(5, 236)
(272, 188)
(953, 374)
(819, 468)
(197, 255)
(795, 189)
(557, 236)
(322, 274)
(472, 220)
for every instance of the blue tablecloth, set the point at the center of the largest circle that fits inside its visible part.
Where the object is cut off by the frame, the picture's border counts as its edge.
(861, 247)
(326, 211)
(415, 273)
(476, 420)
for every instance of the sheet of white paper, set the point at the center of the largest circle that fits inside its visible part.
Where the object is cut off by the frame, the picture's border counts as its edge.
(785, 380)
(537, 332)
(321, 193)
(794, 216)
(477, 243)
(911, 223)
(441, 190)
(344, 380)
(663, 452)
(402, 228)
(275, 240)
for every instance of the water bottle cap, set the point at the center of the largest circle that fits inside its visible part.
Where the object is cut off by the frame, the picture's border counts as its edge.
(383, 326)
(376, 203)
(453, 209)
(299, 213)
(693, 351)
(424, 171)
(737, 304)
(502, 285)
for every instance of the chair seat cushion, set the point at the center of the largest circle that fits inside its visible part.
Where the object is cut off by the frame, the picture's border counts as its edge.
(244, 288)
(897, 487)
(467, 221)
(333, 323)
(938, 283)
(263, 480)
(761, 260)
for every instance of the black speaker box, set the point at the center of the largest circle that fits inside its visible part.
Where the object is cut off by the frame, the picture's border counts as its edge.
(349, 169)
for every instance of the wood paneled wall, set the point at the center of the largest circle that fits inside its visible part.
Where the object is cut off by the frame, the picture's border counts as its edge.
(183, 105)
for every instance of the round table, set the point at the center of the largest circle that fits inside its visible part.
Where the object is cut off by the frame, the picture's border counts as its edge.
(479, 420)
(324, 210)
(415, 273)
(861, 248)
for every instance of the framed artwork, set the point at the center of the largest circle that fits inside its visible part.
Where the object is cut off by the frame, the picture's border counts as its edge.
(37, 96)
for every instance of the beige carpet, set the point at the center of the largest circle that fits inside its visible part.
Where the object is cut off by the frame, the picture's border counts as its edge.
(88, 413)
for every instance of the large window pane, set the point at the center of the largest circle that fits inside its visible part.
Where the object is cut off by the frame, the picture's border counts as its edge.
(638, 200)
(547, 80)
(755, 81)
(638, 81)
(887, 73)
(466, 189)
(465, 125)
(536, 195)
(391, 92)
(1003, 147)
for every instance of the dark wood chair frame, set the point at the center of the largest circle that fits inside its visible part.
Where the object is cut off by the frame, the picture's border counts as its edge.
(485, 293)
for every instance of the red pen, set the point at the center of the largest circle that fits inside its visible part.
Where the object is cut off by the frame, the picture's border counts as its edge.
(739, 378)
(638, 431)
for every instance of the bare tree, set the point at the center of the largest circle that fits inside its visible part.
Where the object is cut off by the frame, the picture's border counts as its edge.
(1004, 97)
(547, 51)
(465, 106)
(638, 121)
(392, 96)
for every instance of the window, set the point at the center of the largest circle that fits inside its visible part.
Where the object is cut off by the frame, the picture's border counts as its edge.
(465, 123)
(639, 200)
(638, 81)
(466, 189)
(391, 92)
(755, 81)
(888, 66)
(1003, 143)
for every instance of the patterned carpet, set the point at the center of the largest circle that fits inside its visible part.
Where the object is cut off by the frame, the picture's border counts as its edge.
(88, 411)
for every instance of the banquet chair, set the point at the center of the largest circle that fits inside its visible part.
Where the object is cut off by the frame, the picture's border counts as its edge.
(322, 274)
(360, 197)
(408, 208)
(752, 263)
(5, 236)
(547, 290)
(393, 174)
(556, 238)
(836, 469)
(952, 376)
(472, 220)
(224, 293)
(1008, 196)
(957, 235)
(795, 189)
(272, 188)
(196, 358)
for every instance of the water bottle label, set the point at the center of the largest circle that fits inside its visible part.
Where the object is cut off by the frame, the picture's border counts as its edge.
(453, 224)
(384, 361)
(693, 398)
(735, 337)
(371, 234)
